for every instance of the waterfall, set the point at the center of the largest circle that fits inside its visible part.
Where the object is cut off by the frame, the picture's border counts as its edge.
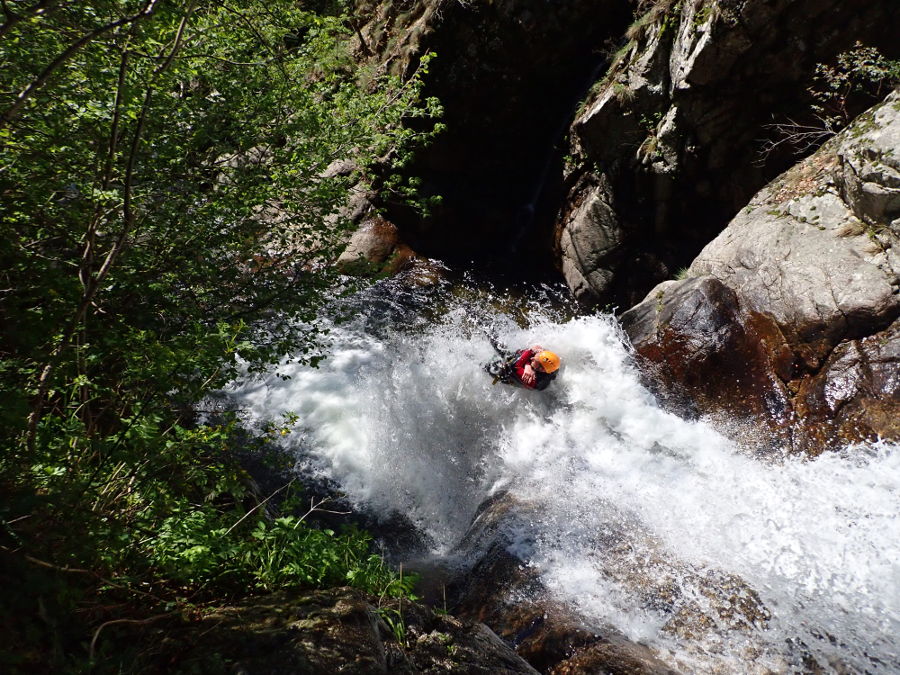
(718, 559)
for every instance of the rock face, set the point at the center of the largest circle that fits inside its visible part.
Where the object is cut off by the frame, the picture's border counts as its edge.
(669, 144)
(508, 73)
(374, 248)
(790, 314)
(334, 631)
(504, 593)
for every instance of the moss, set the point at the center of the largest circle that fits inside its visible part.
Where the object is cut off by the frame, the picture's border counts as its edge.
(863, 124)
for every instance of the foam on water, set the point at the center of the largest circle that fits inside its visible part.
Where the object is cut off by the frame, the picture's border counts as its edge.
(406, 421)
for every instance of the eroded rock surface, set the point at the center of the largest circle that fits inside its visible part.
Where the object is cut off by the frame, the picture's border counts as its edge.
(505, 592)
(789, 316)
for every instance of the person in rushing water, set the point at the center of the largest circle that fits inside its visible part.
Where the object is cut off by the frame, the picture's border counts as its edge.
(532, 368)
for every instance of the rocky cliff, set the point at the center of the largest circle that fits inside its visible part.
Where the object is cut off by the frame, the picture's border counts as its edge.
(509, 74)
(668, 148)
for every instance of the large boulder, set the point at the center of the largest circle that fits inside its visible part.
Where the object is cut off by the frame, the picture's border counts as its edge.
(789, 316)
(503, 588)
(670, 140)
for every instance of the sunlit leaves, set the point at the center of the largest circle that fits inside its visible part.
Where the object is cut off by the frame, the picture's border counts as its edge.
(167, 215)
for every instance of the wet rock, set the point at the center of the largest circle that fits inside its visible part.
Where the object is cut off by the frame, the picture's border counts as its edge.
(706, 356)
(856, 394)
(784, 317)
(374, 249)
(505, 591)
(506, 595)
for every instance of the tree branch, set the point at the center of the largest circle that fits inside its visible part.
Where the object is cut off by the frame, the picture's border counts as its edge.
(116, 621)
(35, 85)
(94, 282)
(42, 7)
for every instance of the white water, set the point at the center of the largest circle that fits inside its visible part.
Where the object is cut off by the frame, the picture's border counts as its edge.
(406, 421)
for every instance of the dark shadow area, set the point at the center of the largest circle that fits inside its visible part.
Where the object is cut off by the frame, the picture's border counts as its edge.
(510, 79)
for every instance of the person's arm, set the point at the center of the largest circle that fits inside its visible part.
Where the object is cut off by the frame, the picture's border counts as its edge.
(523, 370)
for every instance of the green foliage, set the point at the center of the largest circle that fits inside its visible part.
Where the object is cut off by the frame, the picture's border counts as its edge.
(650, 122)
(395, 622)
(168, 214)
(197, 547)
(840, 92)
(860, 77)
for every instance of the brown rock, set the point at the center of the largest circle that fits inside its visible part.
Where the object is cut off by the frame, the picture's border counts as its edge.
(334, 631)
(856, 394)
(375, 248)
(707, 356)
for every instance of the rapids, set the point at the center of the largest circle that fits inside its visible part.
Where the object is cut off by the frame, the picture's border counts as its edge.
(402, 417)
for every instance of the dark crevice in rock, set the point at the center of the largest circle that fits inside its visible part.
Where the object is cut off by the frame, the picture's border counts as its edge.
(683, 155)
(509, 75)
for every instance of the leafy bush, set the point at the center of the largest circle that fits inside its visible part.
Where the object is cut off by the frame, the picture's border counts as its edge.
(197, 547)
(169, 207)
(860, 77)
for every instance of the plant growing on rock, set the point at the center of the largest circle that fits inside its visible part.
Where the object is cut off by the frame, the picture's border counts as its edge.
(859, 77)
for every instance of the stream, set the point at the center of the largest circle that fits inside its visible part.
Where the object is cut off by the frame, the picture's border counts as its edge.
(718, 559)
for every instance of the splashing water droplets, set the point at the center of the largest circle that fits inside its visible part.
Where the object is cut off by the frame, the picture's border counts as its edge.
(659, 526)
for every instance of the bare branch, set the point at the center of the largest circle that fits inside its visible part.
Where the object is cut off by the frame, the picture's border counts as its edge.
(802, 137)
(118, 621)
(314, 508)
(262, 503)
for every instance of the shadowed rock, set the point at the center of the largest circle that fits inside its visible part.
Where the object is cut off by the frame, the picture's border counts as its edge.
(331, 631)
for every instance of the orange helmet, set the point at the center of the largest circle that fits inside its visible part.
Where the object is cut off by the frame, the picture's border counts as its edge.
(548, 360)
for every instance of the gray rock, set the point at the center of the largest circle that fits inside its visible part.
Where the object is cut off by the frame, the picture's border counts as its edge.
(784, 319)
(676, 124)
(590, 236)
(816, 249)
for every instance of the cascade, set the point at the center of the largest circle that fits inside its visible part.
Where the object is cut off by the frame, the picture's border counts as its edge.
(624, 499)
